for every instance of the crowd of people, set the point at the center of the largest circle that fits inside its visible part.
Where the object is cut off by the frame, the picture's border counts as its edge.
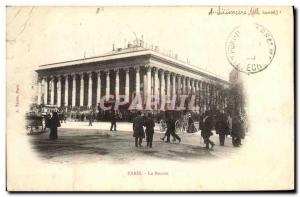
(143, 127)
(223, 124)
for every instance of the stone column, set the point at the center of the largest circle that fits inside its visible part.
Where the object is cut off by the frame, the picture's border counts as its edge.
(39, 91)
(183, 85)
(173, 85)
(74, 90)
(212, 90)
(98, 96)
(127, 85)
(81, 89)
(178, 85)
(202, 95)
(192, 87)
(204, 86)
(43, 91)
(107, 88)
(46, 91)
(90, 90)
(217, 97)
(208, 96)
(188, 85)
(162, 88)
(148, 93)
(156, 83)
(66, 100)
(52, 90)
(144, 76)
(117, 85)
(199, 84)
(137, 81)
(168, 85)
(196, 87)
(58, 103)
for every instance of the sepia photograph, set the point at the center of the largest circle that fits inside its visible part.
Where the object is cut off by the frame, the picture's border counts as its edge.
(150, 98)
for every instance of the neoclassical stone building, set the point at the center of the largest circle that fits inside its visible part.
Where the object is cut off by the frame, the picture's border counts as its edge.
(131, 71)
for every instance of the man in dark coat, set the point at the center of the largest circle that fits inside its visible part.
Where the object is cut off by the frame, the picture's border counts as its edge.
(82, 117)
(207, 127)
(191, 126)
(138, 129)
(237, 133)
(171, 128)
(221, 127)
(150, 124)
(113, 121)
(53, 124)
(200, 122)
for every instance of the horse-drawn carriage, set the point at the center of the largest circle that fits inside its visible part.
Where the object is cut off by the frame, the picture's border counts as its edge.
(35, 122)
(36, 117)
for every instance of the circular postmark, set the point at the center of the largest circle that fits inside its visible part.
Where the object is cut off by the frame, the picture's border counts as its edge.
(250, 48)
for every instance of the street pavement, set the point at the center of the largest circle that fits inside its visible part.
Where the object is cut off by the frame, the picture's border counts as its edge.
(79, 142)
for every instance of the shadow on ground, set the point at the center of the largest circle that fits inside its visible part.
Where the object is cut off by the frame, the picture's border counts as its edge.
(115, 146)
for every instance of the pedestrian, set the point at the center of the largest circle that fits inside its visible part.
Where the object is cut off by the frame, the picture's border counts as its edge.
(82, 117)
(91, 118)
(221, 127)
(53, 124)
(171, 128)
(138, 129)
(191, 126)
(206, 132)
(65, 117)
(229, 123)
(47, 121)
(113, 121)
(237, 133)
(150, 124)
(200, 122)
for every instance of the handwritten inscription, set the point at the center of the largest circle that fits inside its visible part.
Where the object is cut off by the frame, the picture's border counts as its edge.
(253, 11)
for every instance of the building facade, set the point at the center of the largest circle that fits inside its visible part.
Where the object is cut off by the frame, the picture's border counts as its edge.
(123, 74)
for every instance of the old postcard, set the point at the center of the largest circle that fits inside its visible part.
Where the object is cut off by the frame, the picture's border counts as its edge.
(147, 98)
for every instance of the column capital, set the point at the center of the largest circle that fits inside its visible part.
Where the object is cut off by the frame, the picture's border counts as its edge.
(162, 71)
(136, 68)
(127, 69)
(117, 70)
(172, 74)
(155, 69)
(148, 67)
(79, 73)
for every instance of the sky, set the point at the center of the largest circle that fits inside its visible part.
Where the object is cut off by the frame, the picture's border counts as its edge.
(42, 35)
